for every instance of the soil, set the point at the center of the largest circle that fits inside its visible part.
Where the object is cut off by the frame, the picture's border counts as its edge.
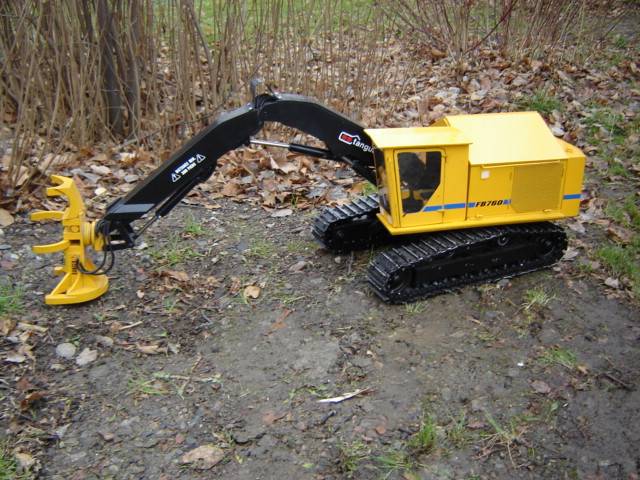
(532, 377)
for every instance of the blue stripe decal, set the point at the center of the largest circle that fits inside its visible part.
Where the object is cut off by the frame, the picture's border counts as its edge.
(453, 206)
(446, 206)
(573, 196)
(432, 208)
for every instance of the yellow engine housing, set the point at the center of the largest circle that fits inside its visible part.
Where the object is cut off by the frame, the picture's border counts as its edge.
(479, 170)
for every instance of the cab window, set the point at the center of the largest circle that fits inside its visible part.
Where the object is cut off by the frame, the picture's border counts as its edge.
(420, 174)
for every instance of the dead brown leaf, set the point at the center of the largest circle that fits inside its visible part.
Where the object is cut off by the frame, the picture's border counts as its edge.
(620, 234)
(176, 275)
(24, 384)
(279, 323)
(476, 425)
(270, 417)
(381, 429)
(252, 291)
(203, 457)
(6, 326)
(29, 400)
(236, 283)
(6, 218)
(231, 189)
(151, 349)
(25, 460)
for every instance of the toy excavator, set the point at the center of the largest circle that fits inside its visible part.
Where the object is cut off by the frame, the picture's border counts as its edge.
(466, 200)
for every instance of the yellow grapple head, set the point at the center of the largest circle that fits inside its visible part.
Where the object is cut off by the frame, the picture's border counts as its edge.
(76, 285)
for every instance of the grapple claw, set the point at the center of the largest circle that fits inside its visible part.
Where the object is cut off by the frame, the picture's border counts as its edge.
(51, 247)
(46, 215)
(76, 285)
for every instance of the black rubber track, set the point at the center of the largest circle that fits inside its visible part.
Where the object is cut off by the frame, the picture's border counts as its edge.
(439, 262)
(351, 227)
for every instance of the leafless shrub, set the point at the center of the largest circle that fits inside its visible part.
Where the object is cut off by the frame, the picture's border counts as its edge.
(76, 75)
(518, 27)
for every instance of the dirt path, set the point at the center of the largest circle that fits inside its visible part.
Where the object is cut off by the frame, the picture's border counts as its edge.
(530, 378)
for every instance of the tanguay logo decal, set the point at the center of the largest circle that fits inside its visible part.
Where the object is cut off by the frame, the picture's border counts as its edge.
(354, 140)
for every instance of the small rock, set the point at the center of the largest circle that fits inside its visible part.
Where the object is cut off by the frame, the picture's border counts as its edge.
(250, 433)
(477, 405)
(557, 130)
(61, 431)
(513, 373)
(86, 356)
(5, 247)
(104, 341)
(147, 443)
(446, 394)
(541, 387)
(298, 267)
(76, 457)
(100, 169)
(285, 212)
(66, 350)
(612, 282)
(131, 177)
(106, 436)
(100, 372)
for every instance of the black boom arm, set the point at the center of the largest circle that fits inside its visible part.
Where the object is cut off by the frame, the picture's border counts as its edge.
(195, 162)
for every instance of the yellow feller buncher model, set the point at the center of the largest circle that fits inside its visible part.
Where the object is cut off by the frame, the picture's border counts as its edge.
(466, 200)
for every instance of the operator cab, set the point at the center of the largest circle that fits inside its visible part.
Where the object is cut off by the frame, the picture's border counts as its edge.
(416, 169)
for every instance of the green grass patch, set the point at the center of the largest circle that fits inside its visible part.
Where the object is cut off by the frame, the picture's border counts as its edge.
(536, 298)
(424, 440)
(350, 455)
(623, 261)
(174, 252)
(603, 124)
(10, 298)
(505, 435)
(394, 461)
(415, 308)
(457, 433)
(140, 385)
(540, 101)
(261, 248)
(626, 213)
(193, 227)
(559, 356)
(368, 188)
(301, 246)
(621, 42)
(9, 469)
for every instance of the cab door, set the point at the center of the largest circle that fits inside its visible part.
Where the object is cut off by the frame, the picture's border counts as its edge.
(420, 186)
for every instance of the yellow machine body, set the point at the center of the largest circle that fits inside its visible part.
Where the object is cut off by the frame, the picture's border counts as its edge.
(475, 170)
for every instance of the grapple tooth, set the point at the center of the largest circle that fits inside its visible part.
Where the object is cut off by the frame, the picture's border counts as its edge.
(51, 247)
(57, 191)
(46, 215)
